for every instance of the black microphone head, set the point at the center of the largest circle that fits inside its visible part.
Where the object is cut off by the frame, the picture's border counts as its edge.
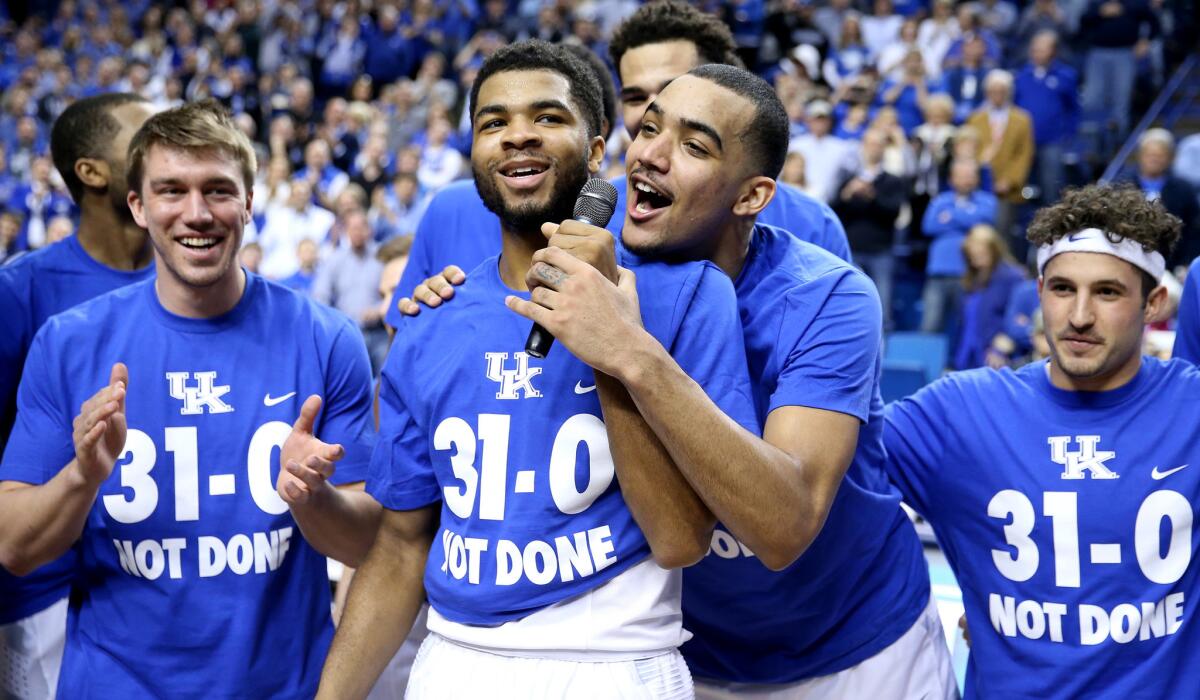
(597, 202)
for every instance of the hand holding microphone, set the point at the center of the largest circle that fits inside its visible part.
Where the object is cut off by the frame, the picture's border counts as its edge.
(594, 207)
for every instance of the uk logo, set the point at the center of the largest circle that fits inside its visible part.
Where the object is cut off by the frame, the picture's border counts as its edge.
(1087, 459)
(514, 380)
(203, 395)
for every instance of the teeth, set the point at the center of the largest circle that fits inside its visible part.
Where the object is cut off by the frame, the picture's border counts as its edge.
(643, 206)
(522, 172)
(643, 187)
(194, 242)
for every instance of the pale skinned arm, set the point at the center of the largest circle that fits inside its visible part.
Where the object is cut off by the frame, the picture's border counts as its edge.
(339, 522)
(385, 597)
(774, 492)
(41, 522)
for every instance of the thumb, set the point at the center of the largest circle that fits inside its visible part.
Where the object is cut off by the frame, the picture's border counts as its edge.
(627, 281)
(120, 373)
(308, 415)
(549, 229)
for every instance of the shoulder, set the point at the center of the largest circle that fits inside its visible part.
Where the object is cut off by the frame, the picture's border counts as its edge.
(971, 388)
(104, 311)
(283, 302)
(27, 265)
(455, 194)
(797, 264)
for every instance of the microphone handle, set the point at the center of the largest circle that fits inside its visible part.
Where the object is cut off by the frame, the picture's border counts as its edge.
(539, 342)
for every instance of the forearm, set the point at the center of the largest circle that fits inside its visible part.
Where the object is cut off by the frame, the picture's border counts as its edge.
(675, 521)
(40, 523)
(340, 523)
(385, 597)
(754, 488)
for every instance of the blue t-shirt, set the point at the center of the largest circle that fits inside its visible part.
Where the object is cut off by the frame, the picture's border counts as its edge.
(812, 326)
(196, 581)
(457, 229)
(516, 448)
(1187, 328)
(1067, 518)
(33, 288)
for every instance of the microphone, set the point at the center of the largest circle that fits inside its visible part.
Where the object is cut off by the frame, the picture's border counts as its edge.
(595, 206)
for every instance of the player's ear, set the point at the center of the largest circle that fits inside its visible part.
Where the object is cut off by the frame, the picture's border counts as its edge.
(1156, 304)
(134, 200)
(595, 153)
(248, 214)
(93, 172)
(754, 196)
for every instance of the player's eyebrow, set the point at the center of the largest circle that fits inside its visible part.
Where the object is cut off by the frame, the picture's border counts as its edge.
(691, 124)
(636, 91)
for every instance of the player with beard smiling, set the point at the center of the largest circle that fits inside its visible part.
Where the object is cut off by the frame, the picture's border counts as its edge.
(544, 577)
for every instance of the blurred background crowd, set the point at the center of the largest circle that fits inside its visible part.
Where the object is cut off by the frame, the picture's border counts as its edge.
(933, 128)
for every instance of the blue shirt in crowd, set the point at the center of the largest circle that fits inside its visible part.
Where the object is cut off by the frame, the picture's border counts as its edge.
(1051, 96)
(1067, 518)
(947, 220)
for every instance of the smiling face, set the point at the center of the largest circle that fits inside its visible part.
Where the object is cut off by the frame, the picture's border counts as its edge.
(1094, 315)
(531, 152)
(195, 206)
(687, 168)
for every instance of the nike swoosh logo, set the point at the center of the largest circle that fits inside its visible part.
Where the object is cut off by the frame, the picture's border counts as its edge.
(268, 400)
(1162, 475)
(1074, 237)
(581, 389)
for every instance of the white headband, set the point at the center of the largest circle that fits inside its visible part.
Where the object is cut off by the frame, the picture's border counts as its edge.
(1093, 240)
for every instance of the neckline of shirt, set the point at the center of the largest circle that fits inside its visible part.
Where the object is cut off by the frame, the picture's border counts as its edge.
(214, 324)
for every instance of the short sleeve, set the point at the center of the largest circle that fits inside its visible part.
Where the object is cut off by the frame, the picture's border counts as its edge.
(1187, 331)
(16, 332)
(832, 342)
(709, 346)
(401, 474)
(834, 234)
(346, 416)
(41, 443)
(914, 437)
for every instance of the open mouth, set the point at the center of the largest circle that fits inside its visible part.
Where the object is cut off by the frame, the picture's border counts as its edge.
(648, 199)
(524, 174)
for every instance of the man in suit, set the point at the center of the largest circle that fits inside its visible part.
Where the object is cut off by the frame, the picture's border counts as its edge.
(1006, 144)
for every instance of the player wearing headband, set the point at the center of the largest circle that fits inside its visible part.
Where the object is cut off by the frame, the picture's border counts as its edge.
(1060, 492)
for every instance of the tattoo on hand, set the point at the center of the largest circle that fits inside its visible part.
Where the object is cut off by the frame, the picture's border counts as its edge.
(549, 274)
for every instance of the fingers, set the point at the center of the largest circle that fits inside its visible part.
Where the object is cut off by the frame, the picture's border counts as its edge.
(528, 309)
(544, 275)
(426, 296)
(408, 307)
(545, 297)
(563, 260)
(440, 286)
(308, 415)
(454, 274)
(549, 229)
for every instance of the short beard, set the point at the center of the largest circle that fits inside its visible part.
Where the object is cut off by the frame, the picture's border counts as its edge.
(528, 218)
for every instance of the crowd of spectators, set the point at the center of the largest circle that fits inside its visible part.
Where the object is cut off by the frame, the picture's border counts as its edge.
(935, 119)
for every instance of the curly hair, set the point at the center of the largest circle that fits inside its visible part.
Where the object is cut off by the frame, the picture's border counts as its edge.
(671, 20)
(1121, 211)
